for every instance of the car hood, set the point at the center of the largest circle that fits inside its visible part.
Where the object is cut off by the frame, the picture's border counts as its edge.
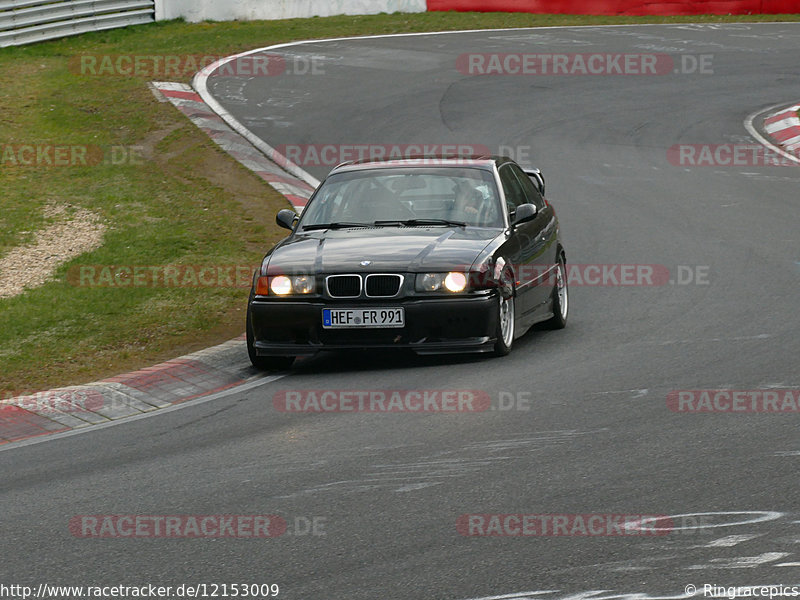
(390, 249)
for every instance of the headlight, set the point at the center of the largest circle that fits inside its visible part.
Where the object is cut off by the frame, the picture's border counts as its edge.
(303, 284)
(280, 285)
(285, 285)
(455, 282)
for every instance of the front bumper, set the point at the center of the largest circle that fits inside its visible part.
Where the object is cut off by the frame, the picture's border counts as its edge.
(289, 327)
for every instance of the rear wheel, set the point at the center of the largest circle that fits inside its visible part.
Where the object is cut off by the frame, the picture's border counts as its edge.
(505, 316)
(264, 363)
(560, 298)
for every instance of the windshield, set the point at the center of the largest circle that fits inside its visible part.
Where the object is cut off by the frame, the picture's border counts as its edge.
(413, 196)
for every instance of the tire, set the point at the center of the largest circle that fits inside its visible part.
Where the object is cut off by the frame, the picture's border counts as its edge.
(505, 316)
(264, 363)
(560, 298)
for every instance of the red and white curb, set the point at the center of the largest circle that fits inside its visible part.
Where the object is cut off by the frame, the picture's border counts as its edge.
(189, 102)
(173, 382)
(784, 129)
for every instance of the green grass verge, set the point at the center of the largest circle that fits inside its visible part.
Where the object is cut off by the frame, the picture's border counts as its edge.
(187, 203)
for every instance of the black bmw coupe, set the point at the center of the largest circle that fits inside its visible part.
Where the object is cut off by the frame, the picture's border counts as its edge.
(432, 254)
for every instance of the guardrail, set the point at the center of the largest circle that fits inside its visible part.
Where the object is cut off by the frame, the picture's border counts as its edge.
(27, 21)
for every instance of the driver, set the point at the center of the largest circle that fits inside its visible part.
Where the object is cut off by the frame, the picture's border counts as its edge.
(467, 203)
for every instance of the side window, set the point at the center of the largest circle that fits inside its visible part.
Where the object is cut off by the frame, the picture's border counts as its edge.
(530, 189)
(511, 188)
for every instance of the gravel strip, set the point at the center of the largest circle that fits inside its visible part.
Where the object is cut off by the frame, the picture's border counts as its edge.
(33, 264)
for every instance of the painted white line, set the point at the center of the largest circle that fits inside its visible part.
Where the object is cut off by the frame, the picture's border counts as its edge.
(517, 596)
(250, 384)
(730, 540)
(743, 562)
(637, 393)
(589, 595)
(748, 124)
(758, 516)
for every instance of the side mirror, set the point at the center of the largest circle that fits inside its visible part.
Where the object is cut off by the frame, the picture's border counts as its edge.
(286, 218)
(524, 213)
(537, 178)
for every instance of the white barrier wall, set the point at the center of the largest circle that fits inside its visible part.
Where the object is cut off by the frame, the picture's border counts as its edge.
(246, 10)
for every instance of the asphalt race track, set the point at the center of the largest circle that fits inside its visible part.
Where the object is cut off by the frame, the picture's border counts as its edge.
(589, 431)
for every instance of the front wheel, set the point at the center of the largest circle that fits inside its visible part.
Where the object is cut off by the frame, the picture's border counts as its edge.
(264, 363)
(560, 298)
(505, 317)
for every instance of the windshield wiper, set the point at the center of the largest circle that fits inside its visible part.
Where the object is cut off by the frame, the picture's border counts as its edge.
(422, 222)
(336, 225)
(406, 223)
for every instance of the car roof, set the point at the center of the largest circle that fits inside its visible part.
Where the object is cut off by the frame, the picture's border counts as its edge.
(487, 162)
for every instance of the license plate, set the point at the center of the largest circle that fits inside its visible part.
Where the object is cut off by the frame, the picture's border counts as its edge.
(333, 318)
